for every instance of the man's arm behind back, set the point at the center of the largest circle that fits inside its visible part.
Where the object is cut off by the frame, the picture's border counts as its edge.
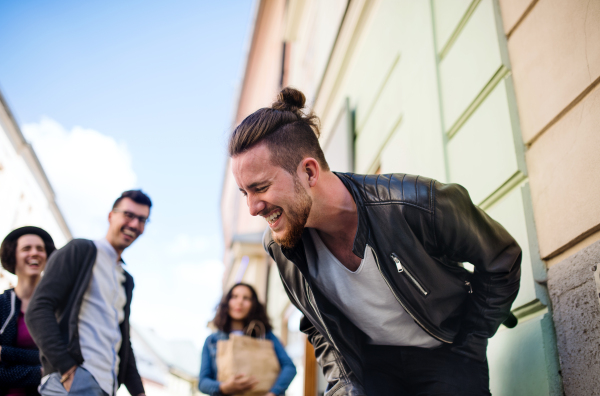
(465, 233)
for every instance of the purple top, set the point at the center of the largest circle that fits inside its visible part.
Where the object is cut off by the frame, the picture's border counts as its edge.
(24, 340)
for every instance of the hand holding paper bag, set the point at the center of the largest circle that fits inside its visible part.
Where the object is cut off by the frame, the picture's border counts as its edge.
(247, 365)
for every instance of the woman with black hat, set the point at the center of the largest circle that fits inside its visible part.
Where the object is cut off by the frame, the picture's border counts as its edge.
(24, 252)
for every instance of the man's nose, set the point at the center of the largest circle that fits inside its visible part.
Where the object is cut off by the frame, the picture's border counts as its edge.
(255, 205)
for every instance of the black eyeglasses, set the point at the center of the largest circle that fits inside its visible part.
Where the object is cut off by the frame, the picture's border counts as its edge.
(130, 216)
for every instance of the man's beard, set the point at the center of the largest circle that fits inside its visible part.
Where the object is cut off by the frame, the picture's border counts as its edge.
(297, 215)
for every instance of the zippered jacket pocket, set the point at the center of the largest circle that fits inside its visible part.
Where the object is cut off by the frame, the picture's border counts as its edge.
(403, 270)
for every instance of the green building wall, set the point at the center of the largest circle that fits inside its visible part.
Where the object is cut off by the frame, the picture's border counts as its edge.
(431, 91)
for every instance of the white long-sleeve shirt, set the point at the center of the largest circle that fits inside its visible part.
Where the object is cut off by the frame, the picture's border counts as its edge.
(102, 311)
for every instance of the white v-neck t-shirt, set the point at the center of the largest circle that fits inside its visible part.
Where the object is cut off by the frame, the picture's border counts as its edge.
(365, 298)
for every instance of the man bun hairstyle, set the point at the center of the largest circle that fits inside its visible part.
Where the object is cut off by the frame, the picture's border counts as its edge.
(290, 99)
(290, 132)
(136, 196)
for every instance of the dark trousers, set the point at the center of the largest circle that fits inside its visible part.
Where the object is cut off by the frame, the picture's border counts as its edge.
(410, 371)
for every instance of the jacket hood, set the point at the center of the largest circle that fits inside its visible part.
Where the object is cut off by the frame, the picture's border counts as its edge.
(13, 302)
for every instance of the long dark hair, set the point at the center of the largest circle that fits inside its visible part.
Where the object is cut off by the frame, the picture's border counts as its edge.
(258, 312)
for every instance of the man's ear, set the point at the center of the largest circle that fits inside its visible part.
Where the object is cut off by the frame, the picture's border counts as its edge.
(310, 169)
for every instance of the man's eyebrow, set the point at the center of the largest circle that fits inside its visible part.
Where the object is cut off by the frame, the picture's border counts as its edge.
(256, 184)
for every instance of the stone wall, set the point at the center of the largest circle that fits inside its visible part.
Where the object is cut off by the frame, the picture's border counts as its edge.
(576, 309)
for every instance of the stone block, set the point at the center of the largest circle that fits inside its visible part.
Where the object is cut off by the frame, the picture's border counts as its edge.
(512, 11)
(448, 15)
(563, 167)
(518, 361)
(555, 56)
(577, 320)
(382, 121)
(375, 58)
(481, 156)
(510, 212)
(471, 63)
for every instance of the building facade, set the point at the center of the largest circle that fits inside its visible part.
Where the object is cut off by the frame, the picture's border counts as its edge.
(500, 96)
(167, 368)
(26, 196)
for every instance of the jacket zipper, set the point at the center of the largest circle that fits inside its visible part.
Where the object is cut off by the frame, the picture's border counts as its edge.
(402, 269)
(468, 285)
(402, 304)
(309, 294)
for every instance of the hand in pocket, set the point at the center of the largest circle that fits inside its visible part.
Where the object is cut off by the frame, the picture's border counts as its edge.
(67, 383)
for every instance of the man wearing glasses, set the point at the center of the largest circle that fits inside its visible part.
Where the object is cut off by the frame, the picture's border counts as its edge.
(79, 314)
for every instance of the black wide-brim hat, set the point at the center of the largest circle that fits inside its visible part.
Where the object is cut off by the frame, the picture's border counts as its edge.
(28, 230)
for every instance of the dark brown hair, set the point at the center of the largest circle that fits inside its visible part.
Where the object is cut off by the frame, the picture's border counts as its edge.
(290, 134)
(258, 312)
(8, 252)
(136, 196)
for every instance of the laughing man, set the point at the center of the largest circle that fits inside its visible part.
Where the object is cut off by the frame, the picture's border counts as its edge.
(79, 314)
(373, 262)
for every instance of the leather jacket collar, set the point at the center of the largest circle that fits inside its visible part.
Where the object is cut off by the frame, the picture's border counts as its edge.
(362, 232)
(297, 253)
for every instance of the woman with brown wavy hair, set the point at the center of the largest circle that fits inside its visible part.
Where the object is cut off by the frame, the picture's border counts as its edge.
(237, 309)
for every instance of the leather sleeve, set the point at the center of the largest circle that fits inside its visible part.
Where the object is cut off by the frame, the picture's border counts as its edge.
(465, 233)
(341, 380)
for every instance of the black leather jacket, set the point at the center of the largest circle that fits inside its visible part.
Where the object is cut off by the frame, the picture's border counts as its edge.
(420, 231)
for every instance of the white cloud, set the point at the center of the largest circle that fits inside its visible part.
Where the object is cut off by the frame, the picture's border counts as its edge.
(191, 291)
(207, 274)
(185, 244)
(88, 171)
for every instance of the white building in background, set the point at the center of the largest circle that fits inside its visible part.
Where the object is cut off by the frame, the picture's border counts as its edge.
(167, 368)
(26, 196)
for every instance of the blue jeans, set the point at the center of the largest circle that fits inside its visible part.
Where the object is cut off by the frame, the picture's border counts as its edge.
(83, 384)
(410, 371)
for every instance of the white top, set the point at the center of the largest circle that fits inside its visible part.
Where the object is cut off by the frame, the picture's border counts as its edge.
(102, 311)
(365, 298)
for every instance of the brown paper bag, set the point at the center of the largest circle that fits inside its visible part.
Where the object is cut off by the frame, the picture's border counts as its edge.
(242, 354)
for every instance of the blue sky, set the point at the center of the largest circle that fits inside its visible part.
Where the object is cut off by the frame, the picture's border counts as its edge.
(121, 94)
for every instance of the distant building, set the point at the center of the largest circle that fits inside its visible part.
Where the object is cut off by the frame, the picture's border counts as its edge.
(167, 368)
(26, 196)
(500, 96)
